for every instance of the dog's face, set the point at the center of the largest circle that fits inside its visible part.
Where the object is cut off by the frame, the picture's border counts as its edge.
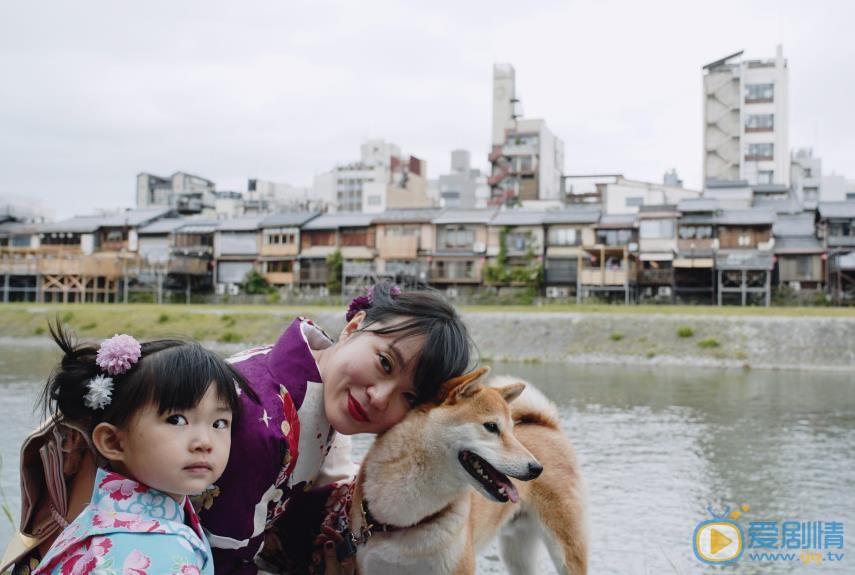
(475, 425)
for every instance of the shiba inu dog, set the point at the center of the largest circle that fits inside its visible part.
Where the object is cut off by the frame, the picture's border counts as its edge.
(484, 460)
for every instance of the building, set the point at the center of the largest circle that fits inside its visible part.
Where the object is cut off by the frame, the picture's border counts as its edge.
(746, 131)
(609, 266)
(280, 247)
(836, 228)
(657, 247)
(236, 252)
(461, 248)
(526, 158)
(350, 234)
(405, 188)
(405, 244)
(799, 253)
(185, 193)
(744, 259)
(464, 187)
(566, 231)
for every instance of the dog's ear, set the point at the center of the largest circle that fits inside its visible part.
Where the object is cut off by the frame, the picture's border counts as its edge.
(512, 391)
(463, 386)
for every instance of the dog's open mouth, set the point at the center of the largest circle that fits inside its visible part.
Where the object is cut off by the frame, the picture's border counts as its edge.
(495, 483)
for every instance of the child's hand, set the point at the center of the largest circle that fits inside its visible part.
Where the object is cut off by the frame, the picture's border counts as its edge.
(332, 566)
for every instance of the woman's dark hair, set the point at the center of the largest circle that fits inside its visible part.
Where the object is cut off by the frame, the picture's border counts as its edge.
(446, 350)
(172, 374)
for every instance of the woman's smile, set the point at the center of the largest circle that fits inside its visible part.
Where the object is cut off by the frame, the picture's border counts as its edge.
(356, 410)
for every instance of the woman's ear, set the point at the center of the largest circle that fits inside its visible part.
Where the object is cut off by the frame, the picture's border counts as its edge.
(354, 324)
(109, 441)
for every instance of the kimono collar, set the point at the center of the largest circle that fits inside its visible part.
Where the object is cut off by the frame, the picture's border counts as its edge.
(292, 355)
(113, 488)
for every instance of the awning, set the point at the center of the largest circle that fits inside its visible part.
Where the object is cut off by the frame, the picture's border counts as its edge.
(358, 253)
(656, 256)
(317, 252)
(693, 263)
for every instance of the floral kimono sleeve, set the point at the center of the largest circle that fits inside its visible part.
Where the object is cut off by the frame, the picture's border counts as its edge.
(152, 554)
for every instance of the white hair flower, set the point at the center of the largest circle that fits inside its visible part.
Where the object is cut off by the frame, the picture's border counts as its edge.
(100, 392)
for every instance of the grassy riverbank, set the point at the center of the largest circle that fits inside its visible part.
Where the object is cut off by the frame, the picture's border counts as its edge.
(262, 323)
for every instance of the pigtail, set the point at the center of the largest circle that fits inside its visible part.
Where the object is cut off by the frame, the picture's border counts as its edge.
(63, 395)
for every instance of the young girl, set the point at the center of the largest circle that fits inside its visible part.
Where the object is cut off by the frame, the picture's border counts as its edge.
(291, 446)
(159, 416)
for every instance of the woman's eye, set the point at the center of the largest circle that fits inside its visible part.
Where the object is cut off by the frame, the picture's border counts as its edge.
(221, 424)
(385, 363)
(176, 420)
(491, 427)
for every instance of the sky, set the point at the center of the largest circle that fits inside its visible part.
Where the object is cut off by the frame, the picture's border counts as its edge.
(94, 92)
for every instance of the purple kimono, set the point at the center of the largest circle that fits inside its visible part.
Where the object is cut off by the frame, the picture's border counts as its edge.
(283, 448)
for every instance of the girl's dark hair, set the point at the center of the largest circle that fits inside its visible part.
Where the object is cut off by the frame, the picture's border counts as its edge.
(446, 351)
(173, 374)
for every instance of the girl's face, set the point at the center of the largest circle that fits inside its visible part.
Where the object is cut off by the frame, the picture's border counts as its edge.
(368, 379)
(179, 452)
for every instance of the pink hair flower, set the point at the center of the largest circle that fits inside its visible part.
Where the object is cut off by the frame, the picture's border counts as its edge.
(117, 354)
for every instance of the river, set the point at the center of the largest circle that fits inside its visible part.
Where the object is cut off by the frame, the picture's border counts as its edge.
(657, 446)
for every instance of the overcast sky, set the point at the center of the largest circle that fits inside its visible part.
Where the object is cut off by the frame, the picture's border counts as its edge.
(93, 93)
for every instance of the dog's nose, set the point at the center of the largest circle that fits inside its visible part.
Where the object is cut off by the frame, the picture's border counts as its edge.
(534, 469)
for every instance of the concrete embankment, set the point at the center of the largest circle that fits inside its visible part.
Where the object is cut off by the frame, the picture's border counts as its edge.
(722, 341)
(780, 342)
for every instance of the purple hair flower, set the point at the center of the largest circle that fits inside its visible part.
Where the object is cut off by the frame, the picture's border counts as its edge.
(117, 354)
(358, 304)
(364, 302)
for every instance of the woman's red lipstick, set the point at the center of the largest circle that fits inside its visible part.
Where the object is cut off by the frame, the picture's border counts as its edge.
(356, 410)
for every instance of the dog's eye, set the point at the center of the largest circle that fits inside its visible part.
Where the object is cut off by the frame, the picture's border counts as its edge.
(492, 427)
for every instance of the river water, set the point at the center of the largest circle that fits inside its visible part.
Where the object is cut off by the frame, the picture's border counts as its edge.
(656, 446)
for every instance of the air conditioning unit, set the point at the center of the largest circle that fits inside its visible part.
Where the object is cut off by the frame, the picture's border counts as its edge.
(664, 291)
(479, 247)
(451, 293)
(557, 292)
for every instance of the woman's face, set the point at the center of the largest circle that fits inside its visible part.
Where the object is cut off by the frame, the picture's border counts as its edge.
(368, 378)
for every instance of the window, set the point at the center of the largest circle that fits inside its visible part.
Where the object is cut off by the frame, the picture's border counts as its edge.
(765, 176)
(744, 240)
(695, 232)
(760, 123)
(458, 237)
(762, 151)
(401, 231)
(614, 237)
(759, 93)
(564, 237)
(374, 200)
(634, 201)
(279, 267)
(656, 229)
(516, 241)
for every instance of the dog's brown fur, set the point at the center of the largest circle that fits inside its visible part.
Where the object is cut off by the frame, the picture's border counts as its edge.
(412, 483)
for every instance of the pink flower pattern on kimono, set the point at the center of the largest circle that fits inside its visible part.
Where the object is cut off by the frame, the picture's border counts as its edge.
(85, 558)
(136, 563)
(120, 487)
(129, 521)
(190, 570)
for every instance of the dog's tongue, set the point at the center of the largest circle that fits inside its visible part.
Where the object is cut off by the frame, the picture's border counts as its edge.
(513, 496)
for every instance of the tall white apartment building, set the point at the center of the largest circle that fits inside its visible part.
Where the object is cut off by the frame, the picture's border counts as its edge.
(526, 159)
(746, 131)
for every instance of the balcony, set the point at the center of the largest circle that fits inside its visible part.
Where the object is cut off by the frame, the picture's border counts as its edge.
(606, 277)
(279, 278)
(279, 250)
(188, 266)
(398, 247)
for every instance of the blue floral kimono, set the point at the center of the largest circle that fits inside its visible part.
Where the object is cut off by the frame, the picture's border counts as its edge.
(130, 529)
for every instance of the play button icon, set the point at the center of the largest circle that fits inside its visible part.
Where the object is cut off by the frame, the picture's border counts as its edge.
(718, 542)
